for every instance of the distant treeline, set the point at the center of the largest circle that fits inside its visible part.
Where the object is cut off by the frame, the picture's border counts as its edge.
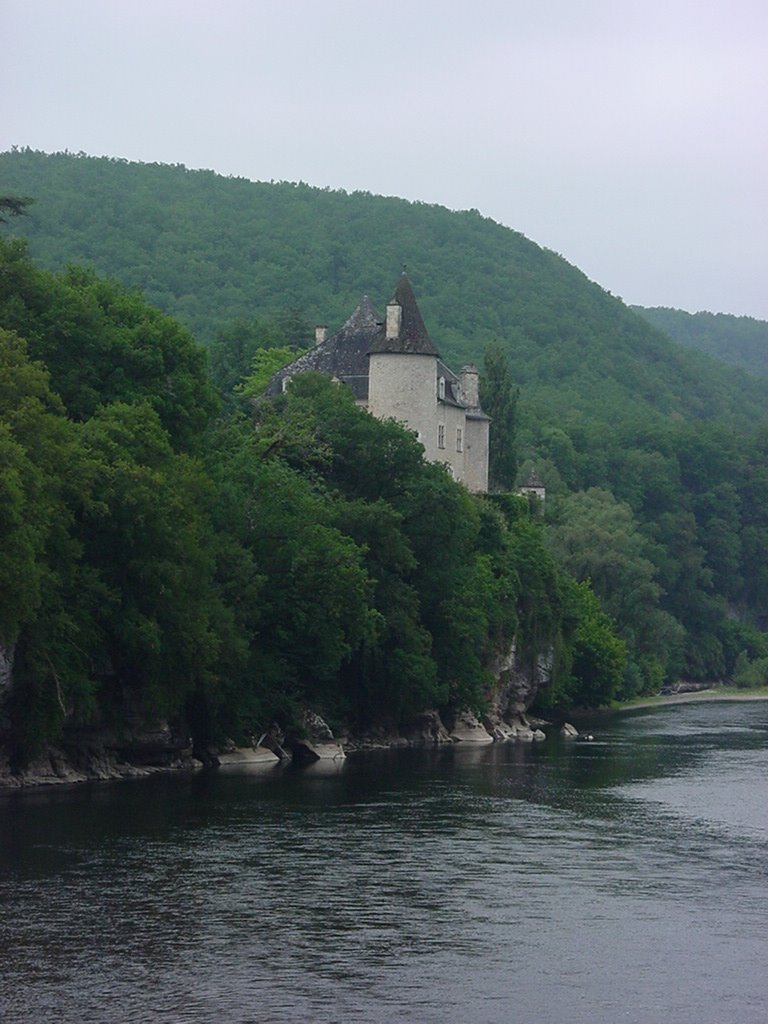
(740, 341)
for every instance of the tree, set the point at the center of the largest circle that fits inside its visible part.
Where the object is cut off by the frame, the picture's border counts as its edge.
(37, 449)
(499, 400)
(596, 538)
(146, 534)
(102, 343)
(13, 206)
(232, 353)
(599, 656)
(265, 363)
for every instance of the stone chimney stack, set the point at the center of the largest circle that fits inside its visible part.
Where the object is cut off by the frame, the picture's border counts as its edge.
(321, 332)
(394, 320)
(470, 384)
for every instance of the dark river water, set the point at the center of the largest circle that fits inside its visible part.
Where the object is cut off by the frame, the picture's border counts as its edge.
(620, 880)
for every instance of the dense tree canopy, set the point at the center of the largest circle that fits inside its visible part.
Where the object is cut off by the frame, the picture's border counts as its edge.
(654, 460)
(230, 572)
(498, 398)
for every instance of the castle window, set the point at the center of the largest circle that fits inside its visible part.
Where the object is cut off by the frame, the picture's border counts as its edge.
(441, 388)
(459, 440)
(441, 436)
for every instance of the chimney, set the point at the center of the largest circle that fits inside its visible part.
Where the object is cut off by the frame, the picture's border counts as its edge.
(320, 334)
(470, 385)
(394, 319)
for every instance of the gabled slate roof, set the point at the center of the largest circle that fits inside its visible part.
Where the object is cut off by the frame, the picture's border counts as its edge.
(344, 355)
(413, 338)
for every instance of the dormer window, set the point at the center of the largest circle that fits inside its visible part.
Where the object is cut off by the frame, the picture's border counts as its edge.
(441, 388)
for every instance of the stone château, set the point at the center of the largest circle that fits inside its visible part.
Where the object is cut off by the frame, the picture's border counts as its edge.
(395, 371)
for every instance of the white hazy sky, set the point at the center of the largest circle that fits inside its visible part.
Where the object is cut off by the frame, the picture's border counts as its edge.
(631, 137)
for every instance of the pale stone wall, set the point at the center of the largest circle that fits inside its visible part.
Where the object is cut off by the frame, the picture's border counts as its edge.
(404, 388)
(452, 419)
(476, 455)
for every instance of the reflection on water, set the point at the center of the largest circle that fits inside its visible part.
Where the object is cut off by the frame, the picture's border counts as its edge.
(620, 880)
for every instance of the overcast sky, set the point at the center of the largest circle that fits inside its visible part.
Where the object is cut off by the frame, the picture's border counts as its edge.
(631, 137)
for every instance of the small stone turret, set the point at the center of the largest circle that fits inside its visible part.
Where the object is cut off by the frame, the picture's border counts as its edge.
(533, 487)
(470, 385)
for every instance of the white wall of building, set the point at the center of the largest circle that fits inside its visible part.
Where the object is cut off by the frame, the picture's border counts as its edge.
(404, 387)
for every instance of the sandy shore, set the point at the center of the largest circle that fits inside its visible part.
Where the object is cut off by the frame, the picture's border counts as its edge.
(690, 698)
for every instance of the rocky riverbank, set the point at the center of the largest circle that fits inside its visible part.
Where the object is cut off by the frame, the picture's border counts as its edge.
(85, 754)
(100, 758)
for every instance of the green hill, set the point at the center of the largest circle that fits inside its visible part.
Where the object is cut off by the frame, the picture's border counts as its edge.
(209, 249)
(739, 341)
(653, 454)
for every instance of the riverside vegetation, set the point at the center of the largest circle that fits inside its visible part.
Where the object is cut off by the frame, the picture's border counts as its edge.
(199, 556)
(226, 570)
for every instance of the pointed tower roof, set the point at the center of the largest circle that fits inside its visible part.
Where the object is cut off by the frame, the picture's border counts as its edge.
(363, 319)
(412, 337)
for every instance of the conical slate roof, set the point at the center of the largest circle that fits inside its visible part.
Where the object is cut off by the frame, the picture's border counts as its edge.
(413, 337)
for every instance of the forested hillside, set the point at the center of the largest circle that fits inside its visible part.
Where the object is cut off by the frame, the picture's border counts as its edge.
(211, 250)
(654, 456)
(228, 571)
(739, 341)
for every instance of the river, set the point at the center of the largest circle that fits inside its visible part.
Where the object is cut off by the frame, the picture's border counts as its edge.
(622, 880)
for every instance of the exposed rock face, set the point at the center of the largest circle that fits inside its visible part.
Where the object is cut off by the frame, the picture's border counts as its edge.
(515, 690)
(93, 753)
(467, 729)
(6, 682)
(274, 740)
(427, 730)
(308, 750)
(317, 742)
(683, 686)
(247, 757)
(154, 743)
(6, 671)
(56, 766)
(568, 731)
(316, 727)
(378, 738)
(517, 685)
